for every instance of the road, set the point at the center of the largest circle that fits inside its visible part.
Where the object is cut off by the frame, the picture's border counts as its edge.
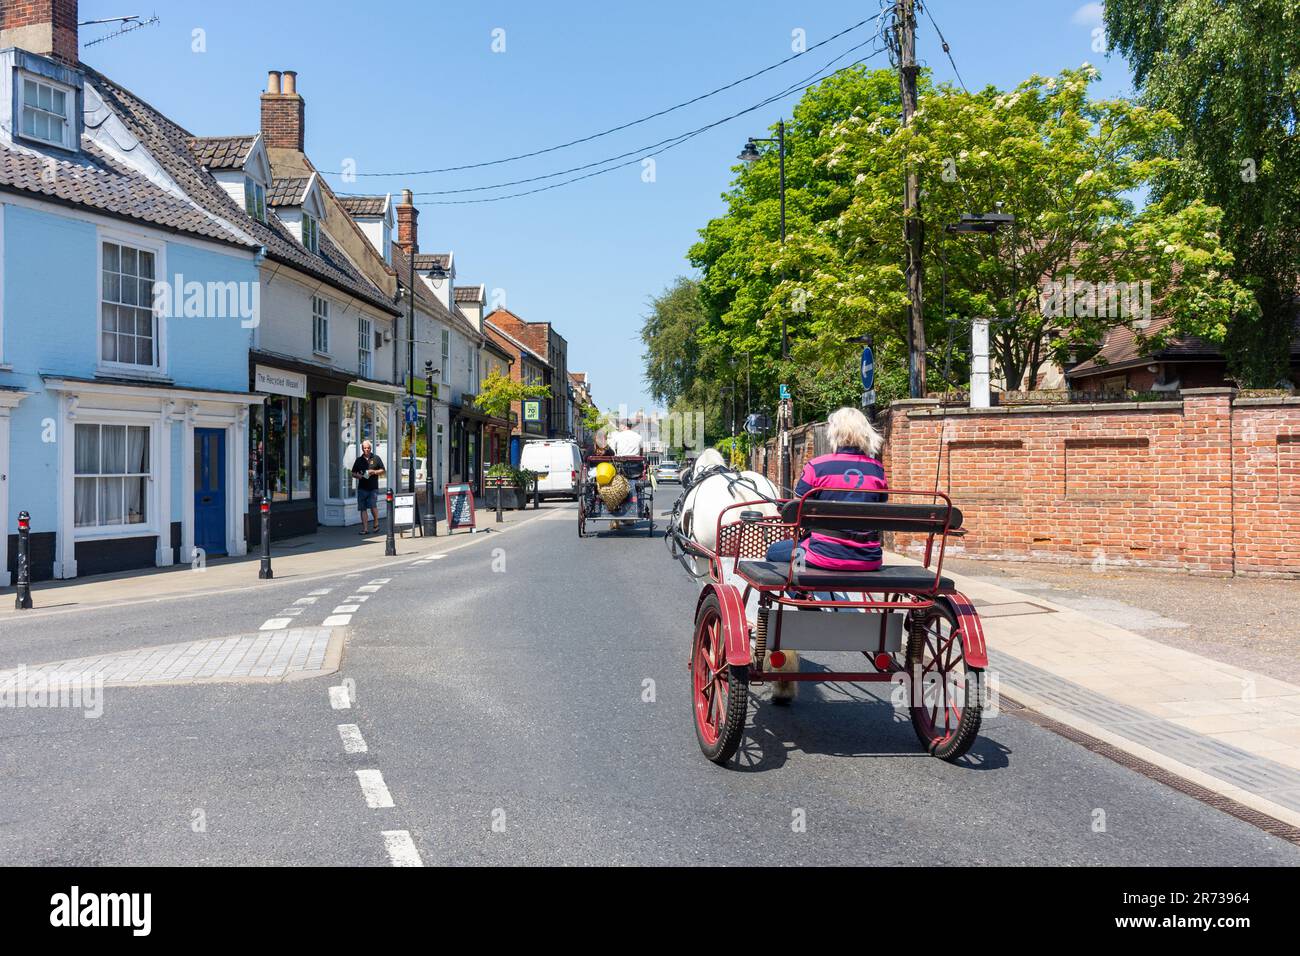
(524, 700)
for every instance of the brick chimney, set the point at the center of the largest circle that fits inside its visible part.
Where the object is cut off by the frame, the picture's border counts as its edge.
(47, 27)
(282, 111)
(408, 236)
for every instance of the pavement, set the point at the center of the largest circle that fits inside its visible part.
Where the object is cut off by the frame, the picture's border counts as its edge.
(521, 697)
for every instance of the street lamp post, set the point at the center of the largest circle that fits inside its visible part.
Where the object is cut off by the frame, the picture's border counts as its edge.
(429, 519)
(987, 224)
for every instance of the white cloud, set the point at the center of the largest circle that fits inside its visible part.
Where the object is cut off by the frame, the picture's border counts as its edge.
(1088, 15)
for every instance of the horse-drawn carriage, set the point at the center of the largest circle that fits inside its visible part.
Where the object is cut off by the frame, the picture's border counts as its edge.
(616, 490)
(753, 616)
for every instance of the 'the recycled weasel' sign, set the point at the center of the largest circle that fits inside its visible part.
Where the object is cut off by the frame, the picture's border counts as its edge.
(460, 507)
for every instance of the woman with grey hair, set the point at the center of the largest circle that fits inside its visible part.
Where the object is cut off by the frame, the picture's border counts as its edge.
(850, 473)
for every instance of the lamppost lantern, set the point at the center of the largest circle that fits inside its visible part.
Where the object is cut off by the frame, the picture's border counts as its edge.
(750, 153)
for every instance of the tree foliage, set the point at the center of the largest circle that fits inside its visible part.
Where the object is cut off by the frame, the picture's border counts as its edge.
(1229, 70)
(498, 392)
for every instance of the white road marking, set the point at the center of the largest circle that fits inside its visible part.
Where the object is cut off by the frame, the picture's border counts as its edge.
(374, 789)
(381, 580)
(435, 557)
(290, 611)
(401, 848)
(353, 742)
(319, 591)
(370, 588)
(339, 698)
(337, 620)
(358, 597)
(347, 608)
(276, 623)
(306, 600)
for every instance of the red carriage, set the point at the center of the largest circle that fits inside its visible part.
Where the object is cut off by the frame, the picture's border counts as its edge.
(636, 509)
(908, 621)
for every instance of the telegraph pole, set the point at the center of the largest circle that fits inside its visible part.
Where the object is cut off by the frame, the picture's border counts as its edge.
(905, 24)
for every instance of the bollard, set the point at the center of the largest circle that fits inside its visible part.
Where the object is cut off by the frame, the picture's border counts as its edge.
(537, 494)
(390, 544)
(264, 572)
(500, 488)
(23, 599)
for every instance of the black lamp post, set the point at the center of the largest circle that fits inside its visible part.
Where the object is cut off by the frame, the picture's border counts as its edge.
(429, 519)
(750, 154)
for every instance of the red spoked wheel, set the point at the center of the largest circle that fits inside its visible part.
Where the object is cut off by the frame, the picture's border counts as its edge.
(719, 691)
(945, 692)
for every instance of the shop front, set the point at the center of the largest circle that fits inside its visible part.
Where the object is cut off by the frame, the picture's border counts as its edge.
(282, 448)
(366, 412)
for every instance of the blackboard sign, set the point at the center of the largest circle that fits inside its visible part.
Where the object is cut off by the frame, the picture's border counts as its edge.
(460, 507)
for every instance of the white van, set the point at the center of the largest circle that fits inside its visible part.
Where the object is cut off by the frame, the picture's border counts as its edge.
(558, 463)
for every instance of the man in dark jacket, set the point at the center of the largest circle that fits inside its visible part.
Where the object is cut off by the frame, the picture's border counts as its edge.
(366, 470)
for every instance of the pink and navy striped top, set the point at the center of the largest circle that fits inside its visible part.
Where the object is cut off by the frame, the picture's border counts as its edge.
(847, 475)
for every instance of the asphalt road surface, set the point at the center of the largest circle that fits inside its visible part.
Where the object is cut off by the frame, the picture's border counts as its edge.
(524, 700)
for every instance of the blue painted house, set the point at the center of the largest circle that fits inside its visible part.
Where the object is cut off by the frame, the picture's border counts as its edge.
(127, 310)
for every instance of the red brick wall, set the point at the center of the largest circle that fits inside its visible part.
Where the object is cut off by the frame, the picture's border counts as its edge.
(60, 14)
(283, 118)
(1208, 483)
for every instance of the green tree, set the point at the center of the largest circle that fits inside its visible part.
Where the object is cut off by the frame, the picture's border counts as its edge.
(498, 392)
(1229, 70)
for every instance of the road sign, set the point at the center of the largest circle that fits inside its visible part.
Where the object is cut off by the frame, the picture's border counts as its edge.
(785, 392)
(868, 369)
(412, 413)
(868, 398)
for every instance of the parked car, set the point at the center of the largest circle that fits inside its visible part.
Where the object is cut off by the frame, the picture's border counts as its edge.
(558, 463)
(668, 471)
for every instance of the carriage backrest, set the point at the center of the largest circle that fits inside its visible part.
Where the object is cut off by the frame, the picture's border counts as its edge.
(829, 516)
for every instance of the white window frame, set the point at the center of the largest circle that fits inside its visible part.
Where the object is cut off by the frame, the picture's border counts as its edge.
(256, 193)
(69, 103)
(446, 357)
(365, 347)
(140, 243)
(151, 525)
(320, 325)
(310, 233)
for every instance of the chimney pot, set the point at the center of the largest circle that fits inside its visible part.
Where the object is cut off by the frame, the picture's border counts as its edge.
(290, 82)
(407, 197)
(283, 111)
(273, 81)
(408, 216)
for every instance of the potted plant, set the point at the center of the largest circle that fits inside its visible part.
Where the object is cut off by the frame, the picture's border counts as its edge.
(514, 492)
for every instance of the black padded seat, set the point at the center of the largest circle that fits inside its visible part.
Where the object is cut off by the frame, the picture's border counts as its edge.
(891, 577)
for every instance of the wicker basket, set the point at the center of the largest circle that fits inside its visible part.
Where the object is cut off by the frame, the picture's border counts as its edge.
(615, 493)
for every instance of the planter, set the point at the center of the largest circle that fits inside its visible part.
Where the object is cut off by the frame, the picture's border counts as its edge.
(513, 498)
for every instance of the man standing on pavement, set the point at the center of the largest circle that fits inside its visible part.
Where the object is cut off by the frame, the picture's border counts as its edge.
(366, 470)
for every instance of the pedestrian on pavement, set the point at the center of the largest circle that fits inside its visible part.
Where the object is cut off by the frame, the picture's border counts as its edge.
(367, 470)
(850, 473)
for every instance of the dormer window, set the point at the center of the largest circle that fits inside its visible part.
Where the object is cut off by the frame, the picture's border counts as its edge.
(255, 199)
(310, 233)
(47, 112)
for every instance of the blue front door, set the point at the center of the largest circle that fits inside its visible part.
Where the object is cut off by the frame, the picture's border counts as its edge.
(210, 490)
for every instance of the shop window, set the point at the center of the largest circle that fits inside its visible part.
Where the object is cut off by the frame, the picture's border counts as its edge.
(111, 475)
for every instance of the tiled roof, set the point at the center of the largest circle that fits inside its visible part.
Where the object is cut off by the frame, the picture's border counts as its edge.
(222, 152)
(468, 293)
(287, 192)
(171, 146)
(1121, 349)
(364, 205)
(425, 261)
(97, 182)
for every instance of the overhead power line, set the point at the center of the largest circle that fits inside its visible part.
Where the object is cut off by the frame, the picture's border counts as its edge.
(946, 49)
(629, 124)
(669, 144)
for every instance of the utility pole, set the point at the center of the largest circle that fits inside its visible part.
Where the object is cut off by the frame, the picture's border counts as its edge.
(905, 25)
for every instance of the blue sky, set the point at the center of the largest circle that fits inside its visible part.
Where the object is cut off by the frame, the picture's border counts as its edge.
(402, 86)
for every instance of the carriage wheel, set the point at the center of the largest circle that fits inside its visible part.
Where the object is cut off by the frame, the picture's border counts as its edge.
(582, 516)
(719, 691)
(946, 705)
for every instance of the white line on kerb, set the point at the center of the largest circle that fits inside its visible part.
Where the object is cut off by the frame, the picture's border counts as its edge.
(353, 742)
(374, 789)
(339, 698)
(337, 620)
(401, 848)
(276, 623)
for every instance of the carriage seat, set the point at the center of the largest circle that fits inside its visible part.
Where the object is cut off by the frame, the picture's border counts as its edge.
(891, 577)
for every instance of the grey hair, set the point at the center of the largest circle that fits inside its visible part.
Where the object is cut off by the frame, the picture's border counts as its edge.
(848, 427)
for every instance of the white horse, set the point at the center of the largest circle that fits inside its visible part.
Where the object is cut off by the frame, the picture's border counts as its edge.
(705, 501)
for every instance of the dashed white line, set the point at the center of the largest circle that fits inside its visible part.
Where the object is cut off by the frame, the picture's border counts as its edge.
(290, 611)
(353, 742)
(306, 600)
(401, 848)
(319, 591)
(374, 789)
(369, 588)
(276, 623)
(340, 699)
(381, 580)
(337, 620)
(347, 608)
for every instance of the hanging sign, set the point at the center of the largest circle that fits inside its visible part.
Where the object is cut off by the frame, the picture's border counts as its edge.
(460, 507)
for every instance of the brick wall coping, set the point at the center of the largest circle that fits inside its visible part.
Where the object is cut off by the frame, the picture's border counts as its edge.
(1217, 390)
(1268, 400)
(1060, 409)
